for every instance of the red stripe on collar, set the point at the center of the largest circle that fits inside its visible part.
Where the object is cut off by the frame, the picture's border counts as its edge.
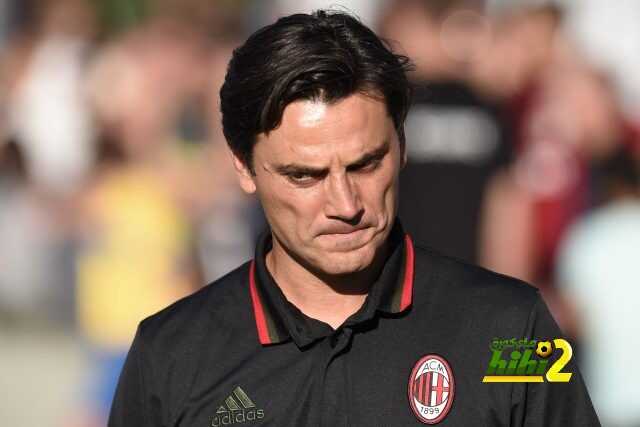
(407, 285)
(258, 310)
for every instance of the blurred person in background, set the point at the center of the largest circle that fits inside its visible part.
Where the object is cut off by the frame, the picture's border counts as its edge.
(457, 137)
(567, 122)
(29, 262)
(46, 107)
(598, 272)
(521, 46)
(228, 221)
(137, 252)
(47, 118)
(573, 129)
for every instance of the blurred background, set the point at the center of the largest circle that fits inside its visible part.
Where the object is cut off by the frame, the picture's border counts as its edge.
(117, 196)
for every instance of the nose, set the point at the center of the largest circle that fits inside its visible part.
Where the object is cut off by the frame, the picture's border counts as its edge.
(343, 201)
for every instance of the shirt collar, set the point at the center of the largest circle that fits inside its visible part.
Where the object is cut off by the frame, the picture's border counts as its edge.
(277, 320)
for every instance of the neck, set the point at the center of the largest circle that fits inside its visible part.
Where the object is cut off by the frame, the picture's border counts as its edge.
(328, 298)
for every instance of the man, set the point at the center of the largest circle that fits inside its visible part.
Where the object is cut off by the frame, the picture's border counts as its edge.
(339, 320)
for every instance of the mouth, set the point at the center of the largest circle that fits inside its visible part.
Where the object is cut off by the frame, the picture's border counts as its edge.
(344, 231)
(347, 240)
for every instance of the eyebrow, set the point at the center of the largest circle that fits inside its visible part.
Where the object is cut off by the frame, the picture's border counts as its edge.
(374, 155)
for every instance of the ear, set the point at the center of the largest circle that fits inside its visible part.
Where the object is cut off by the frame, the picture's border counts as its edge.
(245, 177)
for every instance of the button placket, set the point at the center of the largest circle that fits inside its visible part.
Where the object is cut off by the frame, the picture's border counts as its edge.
(339, 340)
(335, 410)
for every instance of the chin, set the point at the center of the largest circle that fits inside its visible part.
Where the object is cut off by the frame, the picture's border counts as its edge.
(340, 263)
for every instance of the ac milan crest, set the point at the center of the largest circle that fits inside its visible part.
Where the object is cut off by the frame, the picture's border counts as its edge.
(431, 389)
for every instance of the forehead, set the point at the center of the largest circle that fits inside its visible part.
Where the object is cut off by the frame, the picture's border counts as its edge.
(313, 130)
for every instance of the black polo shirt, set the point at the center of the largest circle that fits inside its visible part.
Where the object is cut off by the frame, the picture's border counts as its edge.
(238, 353)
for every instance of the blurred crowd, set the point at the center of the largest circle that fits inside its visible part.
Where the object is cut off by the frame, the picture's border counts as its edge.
(117, 195)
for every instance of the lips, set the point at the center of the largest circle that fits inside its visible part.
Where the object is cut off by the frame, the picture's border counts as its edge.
(346, 239)
(343, 230)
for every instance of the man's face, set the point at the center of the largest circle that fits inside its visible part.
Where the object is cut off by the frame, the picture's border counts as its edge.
(327, 179)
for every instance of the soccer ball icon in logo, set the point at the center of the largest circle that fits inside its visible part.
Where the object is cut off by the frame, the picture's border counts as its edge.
(431, 389)
(543, 349)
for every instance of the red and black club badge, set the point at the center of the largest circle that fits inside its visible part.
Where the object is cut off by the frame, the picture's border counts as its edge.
(431, 389)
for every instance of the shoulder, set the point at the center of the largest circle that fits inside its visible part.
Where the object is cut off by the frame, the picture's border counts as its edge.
(191, 317)
(460, 276)
(469, 289)
(171, 345)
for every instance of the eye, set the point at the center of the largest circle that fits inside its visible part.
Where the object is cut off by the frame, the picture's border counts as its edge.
(372, 165)
(301, 178)
(369, 166)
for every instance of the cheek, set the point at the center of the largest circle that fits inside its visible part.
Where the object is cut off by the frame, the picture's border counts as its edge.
(291, 209)
(390, 197)
(380, 191)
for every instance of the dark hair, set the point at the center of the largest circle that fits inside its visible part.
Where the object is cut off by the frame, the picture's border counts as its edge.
(327, 55)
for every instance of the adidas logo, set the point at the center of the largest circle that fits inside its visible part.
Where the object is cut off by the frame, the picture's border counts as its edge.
(237, 409)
